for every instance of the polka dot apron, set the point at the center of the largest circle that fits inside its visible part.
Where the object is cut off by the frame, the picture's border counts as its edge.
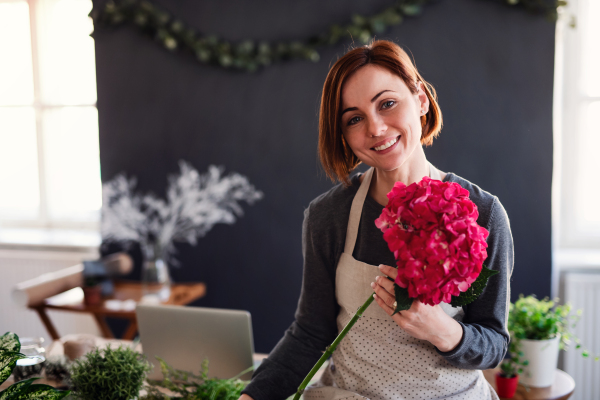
(377, 359)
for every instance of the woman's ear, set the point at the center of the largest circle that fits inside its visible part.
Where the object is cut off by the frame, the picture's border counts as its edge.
(423, 99)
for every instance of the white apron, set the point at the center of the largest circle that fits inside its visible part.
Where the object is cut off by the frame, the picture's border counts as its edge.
(377, 359)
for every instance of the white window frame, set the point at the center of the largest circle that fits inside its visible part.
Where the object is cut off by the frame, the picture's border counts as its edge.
(569, 100)
(43, 220)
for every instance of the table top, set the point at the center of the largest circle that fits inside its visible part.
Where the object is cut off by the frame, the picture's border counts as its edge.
(562, 389)
(72, 300)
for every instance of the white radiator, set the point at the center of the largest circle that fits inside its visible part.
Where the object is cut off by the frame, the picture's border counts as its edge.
(20, 265)
(582, 290)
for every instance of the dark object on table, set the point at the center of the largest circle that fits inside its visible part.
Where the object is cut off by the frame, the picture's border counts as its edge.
(56, 368)
(92, 291)
(22, 372)
(101, 271)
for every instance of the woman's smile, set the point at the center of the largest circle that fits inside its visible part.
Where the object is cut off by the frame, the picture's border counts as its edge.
(385, 146)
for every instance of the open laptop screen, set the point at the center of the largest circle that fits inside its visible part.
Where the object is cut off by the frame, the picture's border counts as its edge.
(185, 336)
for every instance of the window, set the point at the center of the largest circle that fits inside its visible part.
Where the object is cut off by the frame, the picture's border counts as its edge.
(577, 128)
(49, 157)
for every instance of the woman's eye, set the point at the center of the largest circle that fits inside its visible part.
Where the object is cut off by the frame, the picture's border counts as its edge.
(388, 104)
(353, 121)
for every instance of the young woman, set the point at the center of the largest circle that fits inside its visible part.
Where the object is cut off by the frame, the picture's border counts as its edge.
(376, 109)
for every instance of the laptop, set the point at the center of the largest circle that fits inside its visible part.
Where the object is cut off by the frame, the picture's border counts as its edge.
(185, 336)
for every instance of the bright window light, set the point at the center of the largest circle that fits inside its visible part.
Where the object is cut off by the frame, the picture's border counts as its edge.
(591, 49)
(49, 157)
(20, 197)
(16, 76)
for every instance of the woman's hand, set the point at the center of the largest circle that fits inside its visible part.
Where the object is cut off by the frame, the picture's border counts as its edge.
(245, 397)
(420, 321)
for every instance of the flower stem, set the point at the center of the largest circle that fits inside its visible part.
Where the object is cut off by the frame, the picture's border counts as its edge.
(331, 348)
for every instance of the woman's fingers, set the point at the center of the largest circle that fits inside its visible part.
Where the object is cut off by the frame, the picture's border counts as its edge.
(382, 291)
(386, 284)
(389, 271)
(387, 308)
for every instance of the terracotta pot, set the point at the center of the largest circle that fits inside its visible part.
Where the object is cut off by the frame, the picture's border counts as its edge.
(92, 295)
(506, 387)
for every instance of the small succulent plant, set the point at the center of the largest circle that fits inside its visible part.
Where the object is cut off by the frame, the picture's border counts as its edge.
(109, 374)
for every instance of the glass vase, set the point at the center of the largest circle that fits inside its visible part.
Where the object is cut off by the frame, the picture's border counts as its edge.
(32, 365)
(156, 282)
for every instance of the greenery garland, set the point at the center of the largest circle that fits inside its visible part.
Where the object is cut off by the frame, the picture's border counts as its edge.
(249, 55)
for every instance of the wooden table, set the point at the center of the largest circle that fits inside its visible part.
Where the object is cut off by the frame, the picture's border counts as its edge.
(72, 300)
(561, 389)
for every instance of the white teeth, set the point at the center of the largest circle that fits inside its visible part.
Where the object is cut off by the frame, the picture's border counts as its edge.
(386, 145)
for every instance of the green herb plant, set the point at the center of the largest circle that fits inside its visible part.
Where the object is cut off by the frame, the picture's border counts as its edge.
(109, 374)
(10, 348)
(530, 318)
(186, 385)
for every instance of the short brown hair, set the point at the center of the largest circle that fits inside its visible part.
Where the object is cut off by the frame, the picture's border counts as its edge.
(337, 158)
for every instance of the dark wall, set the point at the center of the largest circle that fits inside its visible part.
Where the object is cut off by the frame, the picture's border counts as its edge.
(492, 67)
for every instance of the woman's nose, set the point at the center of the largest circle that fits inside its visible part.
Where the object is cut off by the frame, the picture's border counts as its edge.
(376, 126)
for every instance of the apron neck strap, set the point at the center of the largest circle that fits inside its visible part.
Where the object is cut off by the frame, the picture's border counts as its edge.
(434, 173)
(356, 211)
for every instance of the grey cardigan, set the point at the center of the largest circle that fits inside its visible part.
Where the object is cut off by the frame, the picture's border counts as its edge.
(485, 337)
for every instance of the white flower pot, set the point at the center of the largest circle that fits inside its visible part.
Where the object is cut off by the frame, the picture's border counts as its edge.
(543, 358)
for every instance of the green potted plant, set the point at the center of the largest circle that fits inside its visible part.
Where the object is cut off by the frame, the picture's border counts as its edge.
(540, 328)
(109, 374)
(92, 291)
(510, 369)
(10, 348)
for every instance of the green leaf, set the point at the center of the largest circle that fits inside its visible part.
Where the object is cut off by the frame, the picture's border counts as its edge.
(8, 360)
(475, 290)
(411, 10)
(15, 389)
(25, 390)
(403, 302)
(10, 342)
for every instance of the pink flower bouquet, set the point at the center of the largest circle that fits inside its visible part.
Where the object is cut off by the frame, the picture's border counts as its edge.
(431, 227)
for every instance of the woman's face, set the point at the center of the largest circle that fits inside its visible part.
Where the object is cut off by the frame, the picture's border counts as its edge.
(381, 118)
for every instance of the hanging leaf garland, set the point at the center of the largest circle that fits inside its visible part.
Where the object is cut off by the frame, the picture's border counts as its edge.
(549, 8)
(249, 55)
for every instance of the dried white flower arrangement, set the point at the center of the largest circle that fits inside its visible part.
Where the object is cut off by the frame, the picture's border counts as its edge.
(195, 203)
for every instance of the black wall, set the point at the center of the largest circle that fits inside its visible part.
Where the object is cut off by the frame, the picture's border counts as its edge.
(492, 66)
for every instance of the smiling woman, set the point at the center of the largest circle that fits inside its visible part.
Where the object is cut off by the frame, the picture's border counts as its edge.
(377, 109)
(392, 79)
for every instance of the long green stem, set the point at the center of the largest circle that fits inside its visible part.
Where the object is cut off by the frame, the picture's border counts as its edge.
(330, 349)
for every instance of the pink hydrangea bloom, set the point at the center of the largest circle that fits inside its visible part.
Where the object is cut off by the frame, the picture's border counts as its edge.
(431, 227)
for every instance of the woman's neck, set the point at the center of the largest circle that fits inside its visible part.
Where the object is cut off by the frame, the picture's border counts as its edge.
(412, 171)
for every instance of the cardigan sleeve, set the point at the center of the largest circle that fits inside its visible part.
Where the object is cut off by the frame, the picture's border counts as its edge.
(485, 335)
(314, 327)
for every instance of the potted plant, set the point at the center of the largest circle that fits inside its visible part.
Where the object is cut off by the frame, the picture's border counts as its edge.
(109, 374)
(510, 369)
(92, 291)
(540, 328)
